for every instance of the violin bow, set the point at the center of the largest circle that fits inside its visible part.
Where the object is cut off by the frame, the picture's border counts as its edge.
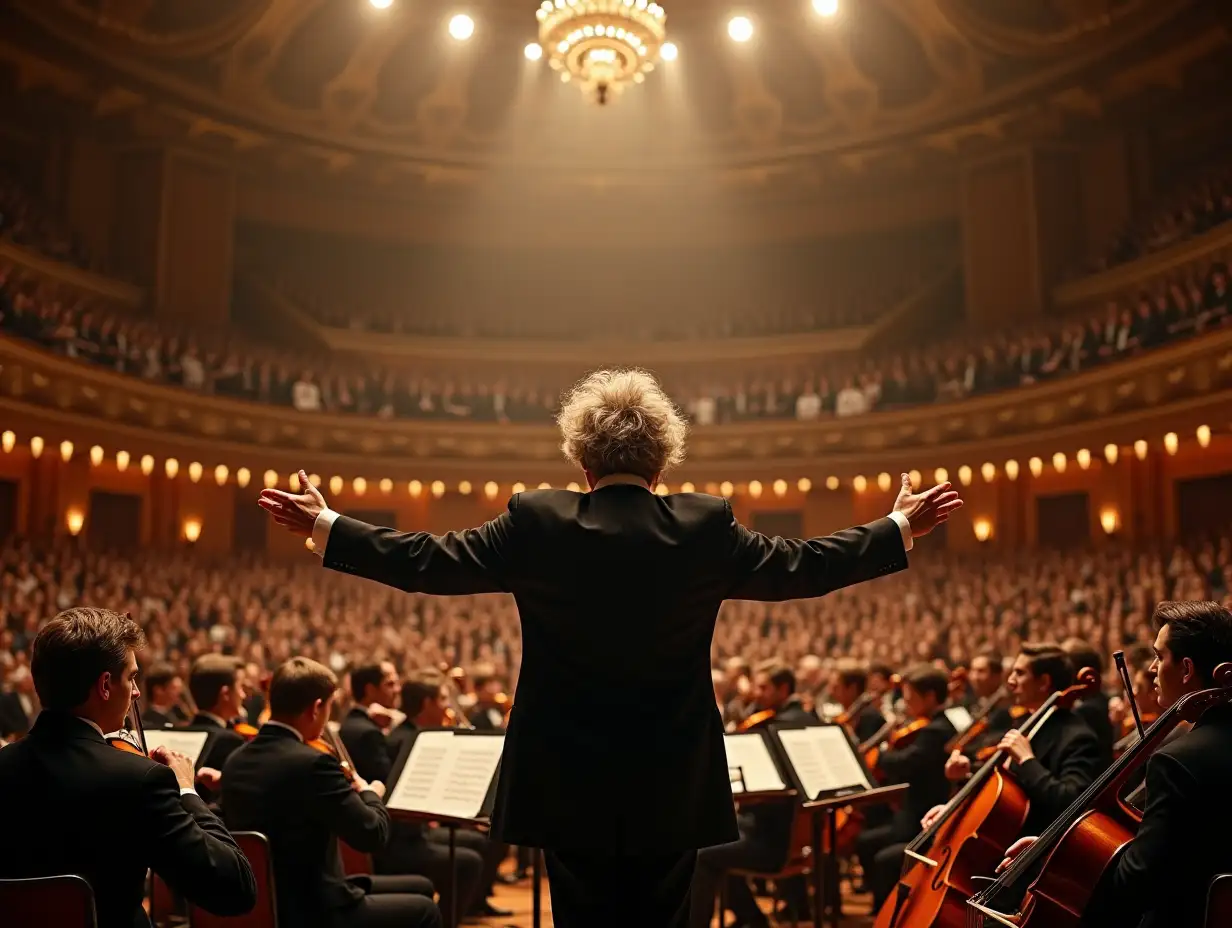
(1126, 681)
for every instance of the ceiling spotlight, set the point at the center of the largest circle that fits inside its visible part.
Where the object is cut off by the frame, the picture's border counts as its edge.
(669, 51)
(382, 4)
(461, 27)
(825, 7)
(533, 51)
(740, 28)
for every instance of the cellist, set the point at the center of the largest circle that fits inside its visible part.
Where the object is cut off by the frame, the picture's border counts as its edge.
(1162, 877)
(1062, 759)
(921, 765)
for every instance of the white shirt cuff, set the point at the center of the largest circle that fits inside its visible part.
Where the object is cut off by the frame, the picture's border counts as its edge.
(897, 517)
(185, 790)
(321, 529)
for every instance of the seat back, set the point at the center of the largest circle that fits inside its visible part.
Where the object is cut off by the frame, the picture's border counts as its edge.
(265, 913)
(1219, 902)
(164, 905)
(354, 863)
(63, 901)
(800, 846)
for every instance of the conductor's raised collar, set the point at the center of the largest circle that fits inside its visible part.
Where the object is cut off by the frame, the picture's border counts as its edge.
(614, 479)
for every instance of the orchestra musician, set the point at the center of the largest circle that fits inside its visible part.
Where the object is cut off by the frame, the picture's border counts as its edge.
(618, 591)
(163, 689)
(302, 799)
(1094, 708)
(414, 848)
(921, 765)
(849, 688)
(218, 686)
(881, 684)
(488, 713)
(1161, 879)
(72, 803)
(364, 737)
(986, 677)
(1063, 757)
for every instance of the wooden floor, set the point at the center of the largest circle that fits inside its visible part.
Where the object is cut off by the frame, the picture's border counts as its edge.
(518, 898)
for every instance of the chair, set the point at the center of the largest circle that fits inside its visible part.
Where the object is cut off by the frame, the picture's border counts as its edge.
(799, 863)
(166, 908)
(265, 913)
(354, 863)
(1219, 902)
(63, 901)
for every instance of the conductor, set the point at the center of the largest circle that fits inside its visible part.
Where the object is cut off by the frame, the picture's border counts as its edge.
(618, 590)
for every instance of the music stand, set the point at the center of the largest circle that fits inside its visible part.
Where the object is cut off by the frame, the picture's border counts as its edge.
(442, 775)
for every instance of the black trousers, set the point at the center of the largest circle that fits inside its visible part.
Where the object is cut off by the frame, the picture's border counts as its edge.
(392, 902)
(593, 889)
(712, 865)
(492, 852)
(881, 855)
(411, 851)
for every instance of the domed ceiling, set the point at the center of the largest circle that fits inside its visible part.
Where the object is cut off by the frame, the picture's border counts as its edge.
(351, 89)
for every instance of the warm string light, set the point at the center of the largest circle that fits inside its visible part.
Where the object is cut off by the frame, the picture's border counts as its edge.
(983, 529)
(1109, 520)
(804, 485)
(220, 474)
(66, 451)
(988, 470)
(359, 486)
(1058, 462)
(1011, 469)
(194, 471)
(171, 467)
(74, 519)
(438, 489)
(941, 475)
(1111, 453)
(1171, 443)
(883, 482)
(8, 441)
(122, 459)
(726, 488)
(859, 483)
(1084, 458)
(1036, 466)
(832, 483)
(685, 487)
(386, 486)
(964, 475)
(1140, 449)
(464, 487)
(335, 484)
(192, 530)
(755, 488)
(1204, 436)
(490, 489)
(242, 476)
(96, 455)
(147, 464)
(780, 488)
(270, 479)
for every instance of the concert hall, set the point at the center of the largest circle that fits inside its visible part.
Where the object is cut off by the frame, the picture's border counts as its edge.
(615, 463)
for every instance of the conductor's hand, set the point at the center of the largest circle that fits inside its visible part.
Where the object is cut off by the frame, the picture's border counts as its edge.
(179, 763)
(924, 511)
(957, 767)
(296, 512)
(1015, 849)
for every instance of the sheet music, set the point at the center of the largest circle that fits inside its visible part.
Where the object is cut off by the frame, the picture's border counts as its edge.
(823, 759)
(447, 774)
(190, 743)
(749, 752)
(959, 717)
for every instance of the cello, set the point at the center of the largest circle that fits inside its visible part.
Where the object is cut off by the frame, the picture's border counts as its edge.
(971, 834)
(1077, 849)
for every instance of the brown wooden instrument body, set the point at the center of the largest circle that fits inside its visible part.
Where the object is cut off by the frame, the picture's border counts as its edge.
(970, 844)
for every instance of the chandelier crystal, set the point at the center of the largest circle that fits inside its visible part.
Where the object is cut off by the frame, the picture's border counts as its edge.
(603, 45)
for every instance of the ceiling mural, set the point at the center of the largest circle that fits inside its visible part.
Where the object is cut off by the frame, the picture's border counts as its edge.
(344, 87)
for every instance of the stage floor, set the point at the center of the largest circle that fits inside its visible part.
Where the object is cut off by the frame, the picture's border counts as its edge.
(518, 898)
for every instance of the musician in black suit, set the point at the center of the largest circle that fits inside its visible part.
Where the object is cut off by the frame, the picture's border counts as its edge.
(371, 684)
(849, 685)
(765, 829)
(71, 803)
(163, 688)
(488, 714)
(301, 799)
(597, 576)
(921, 765)
(1093, 708)
(218, 685)
(1162, 877)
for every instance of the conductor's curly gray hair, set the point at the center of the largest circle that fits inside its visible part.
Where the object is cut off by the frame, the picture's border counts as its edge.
(621, 422)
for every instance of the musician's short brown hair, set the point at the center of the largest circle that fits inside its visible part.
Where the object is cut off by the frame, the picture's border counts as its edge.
(1082, 654)
(926, 678)
(210, 673)
(75, 648)
(1200, 631)
(419, 688)
(779, 673)
(160, 674)
(297, 684)
(851, 673)
(1046, 657)
(996, 663)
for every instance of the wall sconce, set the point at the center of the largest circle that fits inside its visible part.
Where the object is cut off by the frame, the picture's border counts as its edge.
(964, 475)
(74, 519)
(490, 489)
(1036, 466)
(1140, 449)
(386, 486)
(66, 451)
(988, 471)
(36, 446)
(270, 479)
(1171, 443)
(1109, 520)
(520, 487)
(8, 441)
(122, 459)
(192, 530)
(360, 486)
(1204, 436)
(982, 529)
(754, 489)
(883, 482)
(194, 471)
(220, 474)
(438, 488)
(859, 483)
(242, 476)
(1111, 453)
(1059, 462)
(96, 455)
(726, 488)
(1011, 469)
(804, 484)
(831, 482)
(941, 475)
(1084, 458)
(415, 488)
(780, 488)
(464, 487)
(147, 464)
(335, 484)
(172, 467)
(660, 489)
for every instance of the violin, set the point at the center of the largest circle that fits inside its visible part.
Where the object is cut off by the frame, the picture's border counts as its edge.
(1078, 847)
(852, 712)
(760, 717)
(980, 721)
(970, 836)
(131, 741)
(329, 743)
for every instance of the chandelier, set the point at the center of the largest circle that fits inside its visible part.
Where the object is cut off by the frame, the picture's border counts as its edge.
(604, 45)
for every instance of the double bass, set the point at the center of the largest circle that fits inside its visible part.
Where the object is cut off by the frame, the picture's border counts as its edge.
(1078, 847)
(970, 836)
